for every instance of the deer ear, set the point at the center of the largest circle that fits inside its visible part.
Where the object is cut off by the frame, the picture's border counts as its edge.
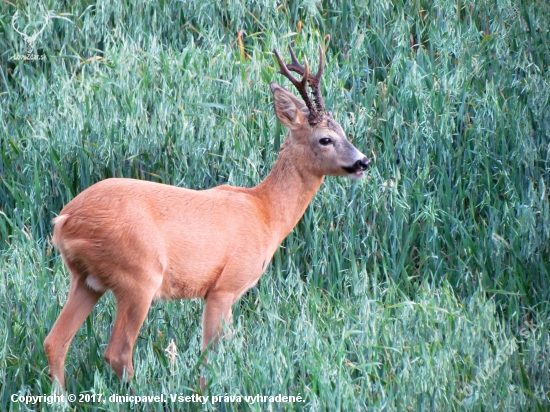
(291, 111)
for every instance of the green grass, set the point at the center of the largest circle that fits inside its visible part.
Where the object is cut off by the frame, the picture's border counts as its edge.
(424, 286)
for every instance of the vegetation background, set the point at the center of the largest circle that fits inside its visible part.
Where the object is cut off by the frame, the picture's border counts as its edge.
(422, 287)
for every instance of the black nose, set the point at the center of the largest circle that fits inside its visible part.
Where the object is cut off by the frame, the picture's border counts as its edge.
(361, 164)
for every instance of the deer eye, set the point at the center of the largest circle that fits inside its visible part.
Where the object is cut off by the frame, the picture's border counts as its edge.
(325, 141)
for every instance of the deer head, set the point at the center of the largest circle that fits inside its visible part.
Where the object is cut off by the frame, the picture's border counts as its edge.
(326, 148)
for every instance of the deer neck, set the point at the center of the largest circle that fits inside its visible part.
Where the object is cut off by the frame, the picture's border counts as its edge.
(287, 190)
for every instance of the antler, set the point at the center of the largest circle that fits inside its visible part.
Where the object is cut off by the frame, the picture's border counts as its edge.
(315, 112)
(315, 81)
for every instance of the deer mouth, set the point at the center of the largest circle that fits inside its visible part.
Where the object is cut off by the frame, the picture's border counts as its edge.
(357, 169)
(354, 172)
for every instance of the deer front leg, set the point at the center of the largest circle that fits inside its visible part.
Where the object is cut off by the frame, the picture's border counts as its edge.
(216, 311)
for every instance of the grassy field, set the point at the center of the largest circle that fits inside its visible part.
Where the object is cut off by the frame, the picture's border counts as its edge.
(424, 286)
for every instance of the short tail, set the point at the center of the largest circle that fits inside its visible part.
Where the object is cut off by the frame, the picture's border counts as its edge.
(59, 221)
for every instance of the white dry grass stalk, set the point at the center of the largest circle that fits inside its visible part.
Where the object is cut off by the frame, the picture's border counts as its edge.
(172, 352)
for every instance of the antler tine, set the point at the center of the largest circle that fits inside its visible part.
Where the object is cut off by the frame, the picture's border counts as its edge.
(321, 64)
(316, 85)
(285, 72)
(306, 72)
(314, 81)
(300, 85)
(295, 65)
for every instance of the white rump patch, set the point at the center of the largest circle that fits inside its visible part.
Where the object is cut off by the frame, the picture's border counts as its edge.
(94, 284)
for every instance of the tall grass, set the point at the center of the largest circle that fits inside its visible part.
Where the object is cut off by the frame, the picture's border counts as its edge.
(423, 287)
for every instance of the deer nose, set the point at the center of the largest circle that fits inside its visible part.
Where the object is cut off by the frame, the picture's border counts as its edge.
(361, 164)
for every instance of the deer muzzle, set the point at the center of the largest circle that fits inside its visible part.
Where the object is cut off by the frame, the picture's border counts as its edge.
(357, 169)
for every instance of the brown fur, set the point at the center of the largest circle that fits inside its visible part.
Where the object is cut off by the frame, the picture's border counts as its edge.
(147, 241)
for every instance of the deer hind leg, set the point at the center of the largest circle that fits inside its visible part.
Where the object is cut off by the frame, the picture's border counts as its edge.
(132, 307)
(80, 302)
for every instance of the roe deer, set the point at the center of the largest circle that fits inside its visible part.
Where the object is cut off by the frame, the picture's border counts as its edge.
(147, 241)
